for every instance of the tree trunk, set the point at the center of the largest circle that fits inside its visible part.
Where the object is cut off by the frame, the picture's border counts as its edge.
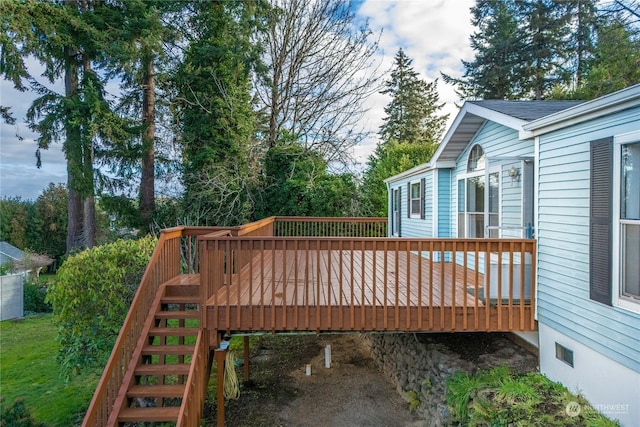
(147, 179)
(73, 154)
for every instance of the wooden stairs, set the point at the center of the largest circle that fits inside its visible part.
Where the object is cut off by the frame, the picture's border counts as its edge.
(155, 382)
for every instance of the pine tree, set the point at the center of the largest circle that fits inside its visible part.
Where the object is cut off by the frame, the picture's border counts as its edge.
(69, 39)
(546, 52)
(412, 114)
(498, 70)
(616, 62)
(409, 134)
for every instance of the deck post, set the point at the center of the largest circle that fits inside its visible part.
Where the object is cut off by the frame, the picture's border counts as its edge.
(246, 358)
(220, 357)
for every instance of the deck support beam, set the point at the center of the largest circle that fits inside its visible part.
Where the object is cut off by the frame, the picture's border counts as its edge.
(220, 356)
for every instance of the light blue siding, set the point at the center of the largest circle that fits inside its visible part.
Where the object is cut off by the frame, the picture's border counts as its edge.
(499, 144)
(444, 203)
(415, 227)
(563, 243)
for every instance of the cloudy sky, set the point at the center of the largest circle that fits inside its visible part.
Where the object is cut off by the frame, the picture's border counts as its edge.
(434, 33)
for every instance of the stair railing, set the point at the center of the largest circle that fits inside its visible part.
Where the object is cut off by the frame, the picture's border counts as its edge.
(163, 265)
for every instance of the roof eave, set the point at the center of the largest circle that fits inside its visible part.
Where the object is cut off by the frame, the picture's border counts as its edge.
(608, 104)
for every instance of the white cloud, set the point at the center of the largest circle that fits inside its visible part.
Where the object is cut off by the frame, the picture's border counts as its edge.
(434, 33)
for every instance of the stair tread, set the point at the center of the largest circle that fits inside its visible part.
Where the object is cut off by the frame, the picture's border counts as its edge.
(163, 368)
(168, 349)
(132, 415)
(178, 314)
(174, 332)
(180, 299)
(159, 390)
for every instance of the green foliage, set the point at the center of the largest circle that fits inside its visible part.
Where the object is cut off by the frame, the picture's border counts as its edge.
(523, 49)
(16, 215)
(388, 160)
(498, 397)
(616, 63)
(34, 298)
(412, 398)
(50, 221)
(214, 105)
(17, 415)
(297, 183)
(91, 297)
(412, 114)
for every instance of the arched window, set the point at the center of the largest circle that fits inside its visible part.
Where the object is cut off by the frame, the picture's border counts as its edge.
(476, 159)
(471, 198)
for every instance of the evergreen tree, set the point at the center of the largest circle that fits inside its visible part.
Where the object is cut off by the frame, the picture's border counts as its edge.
(68, 38)
(581, 38)
(546, 25)
(412, 114)
(616, 62)
(215, 110)
(498, 70)
(408, 136)
(526, 48)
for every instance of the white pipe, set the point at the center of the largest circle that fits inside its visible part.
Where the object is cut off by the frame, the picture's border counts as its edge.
(327, 356)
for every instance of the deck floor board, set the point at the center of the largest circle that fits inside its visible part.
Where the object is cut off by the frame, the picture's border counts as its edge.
(338, 279)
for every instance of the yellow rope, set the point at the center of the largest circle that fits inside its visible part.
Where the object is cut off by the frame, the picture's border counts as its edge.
(231, 385)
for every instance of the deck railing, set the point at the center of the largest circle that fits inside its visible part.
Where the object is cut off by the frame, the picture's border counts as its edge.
(171, 256)
(330, 227)
(195, 391)
(335, 283)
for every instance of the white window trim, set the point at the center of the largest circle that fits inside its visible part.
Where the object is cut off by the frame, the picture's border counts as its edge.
(619, 300)
(395, 211)
(411, 199)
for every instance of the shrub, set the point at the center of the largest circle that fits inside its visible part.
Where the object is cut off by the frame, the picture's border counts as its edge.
(34, 298)
(91, 297)
(17, 415)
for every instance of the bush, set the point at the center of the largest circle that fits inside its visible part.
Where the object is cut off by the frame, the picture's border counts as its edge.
(34, 298)
(91, 297)
(17, 415)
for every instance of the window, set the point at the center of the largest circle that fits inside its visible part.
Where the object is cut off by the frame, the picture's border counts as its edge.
(629, 222)
(471, 198)
(416, 199)
(395, 212)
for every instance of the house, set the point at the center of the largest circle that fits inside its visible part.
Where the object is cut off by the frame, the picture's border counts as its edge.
(567, 174)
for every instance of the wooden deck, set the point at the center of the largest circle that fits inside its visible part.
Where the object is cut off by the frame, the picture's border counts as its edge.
(285, 286)
(284, 274)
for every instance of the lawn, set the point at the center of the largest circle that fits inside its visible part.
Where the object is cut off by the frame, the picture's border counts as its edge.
(28, 369)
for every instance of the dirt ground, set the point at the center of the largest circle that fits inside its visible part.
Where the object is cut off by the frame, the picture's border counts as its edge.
(353, 392)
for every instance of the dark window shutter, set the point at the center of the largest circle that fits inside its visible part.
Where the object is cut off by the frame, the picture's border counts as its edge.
(422, 198)
(408, 200)
(399, 211)
(600, 221)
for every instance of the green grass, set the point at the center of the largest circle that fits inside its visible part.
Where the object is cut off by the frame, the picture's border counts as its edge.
(28, 369)
(498, 397)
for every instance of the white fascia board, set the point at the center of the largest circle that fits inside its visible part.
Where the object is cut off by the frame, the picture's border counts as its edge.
(497, 117)
(485, 113)
(409, 172)
(608, 104)
(444, 165)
